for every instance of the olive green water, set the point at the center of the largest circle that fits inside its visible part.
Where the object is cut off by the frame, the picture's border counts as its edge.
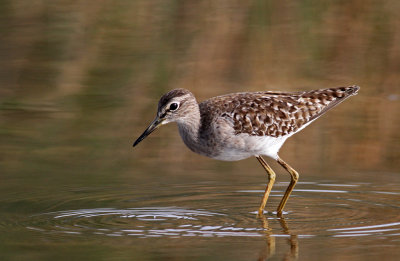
(80, 80)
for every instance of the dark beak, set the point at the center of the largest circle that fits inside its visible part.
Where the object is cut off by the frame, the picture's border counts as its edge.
(153, 126)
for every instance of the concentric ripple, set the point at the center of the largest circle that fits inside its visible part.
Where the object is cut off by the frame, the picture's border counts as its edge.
(141, 222)
(314, 209)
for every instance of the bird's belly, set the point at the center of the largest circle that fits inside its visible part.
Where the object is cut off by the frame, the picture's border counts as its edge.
(243, 146)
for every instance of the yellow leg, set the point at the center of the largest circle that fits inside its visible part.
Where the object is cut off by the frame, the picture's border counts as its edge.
(271, 180)
(294, 177)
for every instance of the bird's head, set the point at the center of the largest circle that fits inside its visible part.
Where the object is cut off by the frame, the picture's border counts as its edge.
(174, 106)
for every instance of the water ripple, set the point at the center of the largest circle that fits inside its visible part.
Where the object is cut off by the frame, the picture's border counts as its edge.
(354, 210)
(140, 222)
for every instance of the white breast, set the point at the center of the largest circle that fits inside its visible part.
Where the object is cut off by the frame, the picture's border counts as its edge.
(242, 146)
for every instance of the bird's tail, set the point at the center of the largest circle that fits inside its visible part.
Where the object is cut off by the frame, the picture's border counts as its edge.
(352, 90)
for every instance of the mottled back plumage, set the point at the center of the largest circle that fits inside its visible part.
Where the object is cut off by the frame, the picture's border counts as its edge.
(272, 114)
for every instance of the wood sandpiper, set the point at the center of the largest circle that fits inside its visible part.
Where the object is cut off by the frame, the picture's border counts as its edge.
(240, 125)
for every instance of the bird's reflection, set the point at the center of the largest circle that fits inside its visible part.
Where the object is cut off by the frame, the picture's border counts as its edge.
(269, 248)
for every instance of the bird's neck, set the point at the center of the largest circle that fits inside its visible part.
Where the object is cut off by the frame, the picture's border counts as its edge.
(189, 129)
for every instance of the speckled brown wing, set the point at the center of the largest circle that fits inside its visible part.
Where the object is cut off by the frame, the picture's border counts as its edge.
(273, 114)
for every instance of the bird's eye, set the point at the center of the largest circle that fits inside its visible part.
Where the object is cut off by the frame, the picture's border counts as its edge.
(173, 106)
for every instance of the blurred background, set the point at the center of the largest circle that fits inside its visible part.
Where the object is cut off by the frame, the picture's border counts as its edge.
(80, 81)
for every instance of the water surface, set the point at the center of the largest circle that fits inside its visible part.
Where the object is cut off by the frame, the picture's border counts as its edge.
(80, 80)
(212, 220)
